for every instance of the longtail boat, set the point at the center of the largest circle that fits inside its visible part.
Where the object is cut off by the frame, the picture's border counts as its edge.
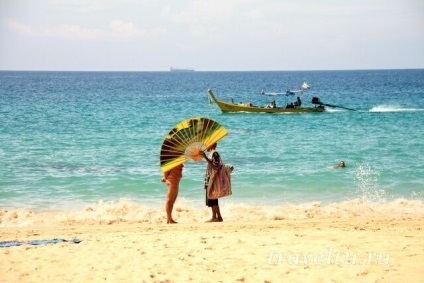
(271, 108)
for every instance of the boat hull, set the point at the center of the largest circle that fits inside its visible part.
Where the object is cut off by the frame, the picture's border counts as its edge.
(227, 107)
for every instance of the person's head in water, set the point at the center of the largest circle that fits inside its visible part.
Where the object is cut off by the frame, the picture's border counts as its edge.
(342, 164)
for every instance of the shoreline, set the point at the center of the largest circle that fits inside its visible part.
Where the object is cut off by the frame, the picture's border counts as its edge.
(128, 212)
(367, 249)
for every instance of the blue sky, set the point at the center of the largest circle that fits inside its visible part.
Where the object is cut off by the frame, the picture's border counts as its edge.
(219, 35)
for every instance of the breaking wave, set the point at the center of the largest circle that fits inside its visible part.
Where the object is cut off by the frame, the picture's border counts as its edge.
(127, 212)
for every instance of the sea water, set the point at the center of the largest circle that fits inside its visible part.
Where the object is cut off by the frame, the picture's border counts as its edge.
(84, 141)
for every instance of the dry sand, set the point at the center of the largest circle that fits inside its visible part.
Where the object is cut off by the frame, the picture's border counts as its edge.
(347, 249)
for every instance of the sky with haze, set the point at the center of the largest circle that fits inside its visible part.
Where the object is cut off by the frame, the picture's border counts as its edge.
(219, 35)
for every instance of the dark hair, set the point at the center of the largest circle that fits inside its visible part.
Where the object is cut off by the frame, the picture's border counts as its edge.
(212, 145)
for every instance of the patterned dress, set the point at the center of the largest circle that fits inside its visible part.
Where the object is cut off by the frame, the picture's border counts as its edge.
(216, 161)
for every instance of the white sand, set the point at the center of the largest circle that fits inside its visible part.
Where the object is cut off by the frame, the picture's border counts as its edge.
(328, 249)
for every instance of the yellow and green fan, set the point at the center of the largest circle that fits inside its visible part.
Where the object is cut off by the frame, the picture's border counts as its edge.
(188, 139)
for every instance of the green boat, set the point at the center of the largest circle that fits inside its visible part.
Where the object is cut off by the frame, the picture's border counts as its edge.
(228, 107)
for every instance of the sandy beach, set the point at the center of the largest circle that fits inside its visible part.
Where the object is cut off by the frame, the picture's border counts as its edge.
(329, 249)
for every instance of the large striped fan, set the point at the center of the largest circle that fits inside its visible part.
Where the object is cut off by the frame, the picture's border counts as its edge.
(188, 139)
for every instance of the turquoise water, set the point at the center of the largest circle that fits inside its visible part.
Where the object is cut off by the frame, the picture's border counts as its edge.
(68, 139)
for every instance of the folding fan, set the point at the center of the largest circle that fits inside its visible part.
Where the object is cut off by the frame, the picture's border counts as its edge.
(188, 139)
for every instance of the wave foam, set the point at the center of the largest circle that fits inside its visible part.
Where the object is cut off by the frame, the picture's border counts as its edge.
(389, 108)
(110, 213)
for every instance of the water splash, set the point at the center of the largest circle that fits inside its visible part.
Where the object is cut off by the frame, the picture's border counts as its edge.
(417, 195)
(367, 187)
(329, 109)
(393, 108)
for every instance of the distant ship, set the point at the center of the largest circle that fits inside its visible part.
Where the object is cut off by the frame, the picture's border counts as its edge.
(180, 70)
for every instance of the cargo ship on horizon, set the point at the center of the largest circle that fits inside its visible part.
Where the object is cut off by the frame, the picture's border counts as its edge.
(180, 70)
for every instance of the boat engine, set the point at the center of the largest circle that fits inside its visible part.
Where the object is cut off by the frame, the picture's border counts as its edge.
(315, 100)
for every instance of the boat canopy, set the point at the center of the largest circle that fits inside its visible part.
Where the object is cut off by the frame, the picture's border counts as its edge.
(288, 92)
